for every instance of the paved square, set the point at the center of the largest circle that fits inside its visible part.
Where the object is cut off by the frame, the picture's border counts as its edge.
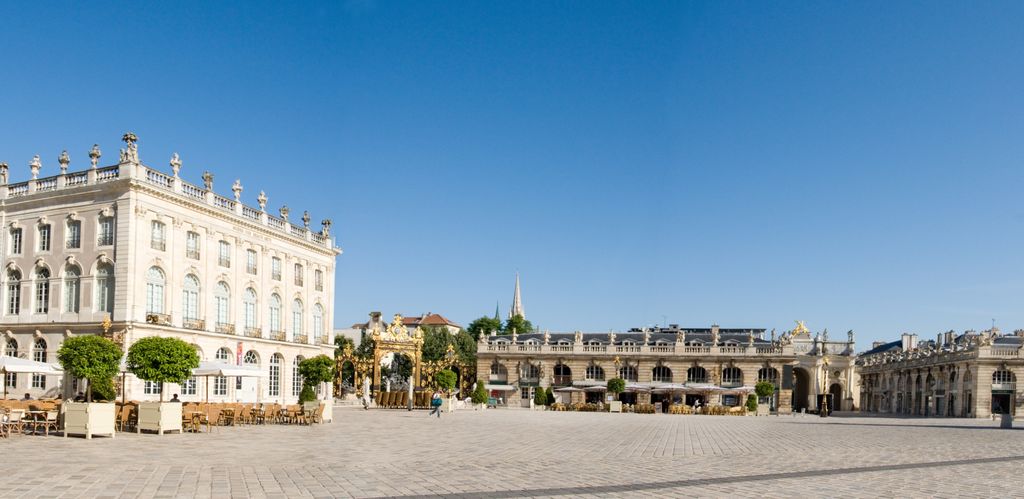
(512, 453)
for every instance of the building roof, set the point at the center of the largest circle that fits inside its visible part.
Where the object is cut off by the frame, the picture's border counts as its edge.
(427, 319)
(739, 337)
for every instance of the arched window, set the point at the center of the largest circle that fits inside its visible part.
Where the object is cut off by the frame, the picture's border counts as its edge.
(190, 298)
(105, 288)
(39, 355)
(275, 313)
(296, 377)
(251, 359)
(155, 282)
(222, 297)
(13, 292)
(530, 372)
(1003, 377)
(249, 304)
(42, 290)
(220, 383)
(628, 373)
(297, 328)
(498, 372)
(563, 374)
(696, 374)
(595, 372)
(72, 288)
(318, 323)
(11, 379)
(732, 376)
(274, 388)
(952, 380)
(768, 374)
(662, 374)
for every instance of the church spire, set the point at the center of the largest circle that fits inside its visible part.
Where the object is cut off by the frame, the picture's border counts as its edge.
(517, 302)
(497, 315)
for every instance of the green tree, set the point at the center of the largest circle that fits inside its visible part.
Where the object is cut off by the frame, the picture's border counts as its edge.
(314, 370)
(103, 390)
(518, 324)
(90, 357)
(764, 389)
(340, 342)
(616, 386)
(483, 327)
(540, 397)
(435, 342)
(446, 379)
(550, 396)
(465, 346)
(366, 346)
(162, 360)
(480, 395)
(307, 394)
(751, 402)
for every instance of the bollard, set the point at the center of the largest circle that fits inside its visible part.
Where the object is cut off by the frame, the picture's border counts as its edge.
(1006, 421)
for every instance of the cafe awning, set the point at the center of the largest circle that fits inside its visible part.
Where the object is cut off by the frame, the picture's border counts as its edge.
(500, 388)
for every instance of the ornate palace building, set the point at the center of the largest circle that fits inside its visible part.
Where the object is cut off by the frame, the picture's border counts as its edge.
(672, 364)
(966, 375)
(128, 251)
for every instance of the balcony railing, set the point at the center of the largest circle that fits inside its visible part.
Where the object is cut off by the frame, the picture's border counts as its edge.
(561, 380)
(197, 324)
(277, 335)
(254, 332)
(162, 319)
(225, 328)
(300, 338)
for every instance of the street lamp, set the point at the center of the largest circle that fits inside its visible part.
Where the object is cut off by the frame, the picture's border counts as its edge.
(823, 410)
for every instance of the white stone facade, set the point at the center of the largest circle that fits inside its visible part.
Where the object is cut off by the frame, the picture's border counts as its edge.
(161, 256)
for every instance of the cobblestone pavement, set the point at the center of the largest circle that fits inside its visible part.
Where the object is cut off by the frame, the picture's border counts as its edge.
(515, 453)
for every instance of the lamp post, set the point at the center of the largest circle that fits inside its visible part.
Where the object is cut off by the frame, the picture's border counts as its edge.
(823, 410)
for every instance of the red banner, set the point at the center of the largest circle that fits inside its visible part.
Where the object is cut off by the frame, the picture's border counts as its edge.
(238, 360)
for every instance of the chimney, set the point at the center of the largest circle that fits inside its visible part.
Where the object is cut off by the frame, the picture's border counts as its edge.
(877, 344)
(909, 341)
(938, 340)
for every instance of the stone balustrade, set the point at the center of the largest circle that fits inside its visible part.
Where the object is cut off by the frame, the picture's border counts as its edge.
(628, 350)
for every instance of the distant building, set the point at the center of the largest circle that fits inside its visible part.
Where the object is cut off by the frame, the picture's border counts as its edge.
(972, 375)
(358, 330)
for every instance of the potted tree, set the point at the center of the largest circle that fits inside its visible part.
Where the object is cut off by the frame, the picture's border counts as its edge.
(161, 360)
(445, 380)
(314, 371)
(479, 396)
(616, 386)
(764, 390)
(97, 360)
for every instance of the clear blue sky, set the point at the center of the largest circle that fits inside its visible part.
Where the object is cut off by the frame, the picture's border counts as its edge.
(854, 165)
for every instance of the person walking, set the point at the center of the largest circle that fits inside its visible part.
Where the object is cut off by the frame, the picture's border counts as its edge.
(435, 402)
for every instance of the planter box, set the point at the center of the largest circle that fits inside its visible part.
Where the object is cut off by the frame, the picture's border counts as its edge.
(763, 410)
(88, 419)
(328, 415)
(448, 405)
(615, 406)
(159, 417)
(540, 407)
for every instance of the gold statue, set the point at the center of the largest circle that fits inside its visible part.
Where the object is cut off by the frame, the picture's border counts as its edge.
(801, 329)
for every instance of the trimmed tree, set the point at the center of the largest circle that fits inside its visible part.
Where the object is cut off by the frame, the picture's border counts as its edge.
(445, 380)
(616, 386)
(751, 402)
(550, 396)
(314, 370)
(162, 360)
(540, 397)
(92, 358)
(479, 395)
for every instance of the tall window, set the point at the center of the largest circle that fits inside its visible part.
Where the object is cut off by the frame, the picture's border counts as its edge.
(628, 373)
(16, 241)
(192, 245)
(155, 291)
(189, 386)
(13, 292)
(275, 268)
(190, 298)
(153, 388)
(105, 288)
(72, 289)
(297, 328)
(220, 383)
(250, 261)
(158, 236)
(296, 377)
(44, 237)
(74, 235)
(696, 374)
(662, 374)
(249, 303)
(39, 355)
(732, 376)
(318, 323)
(318, 279)
(275, 313)
(106, 232)
(298, 274)
(224, 254)
(42, 290)
(275, 375)
(11, 379)
(595, 372)
(222, 297)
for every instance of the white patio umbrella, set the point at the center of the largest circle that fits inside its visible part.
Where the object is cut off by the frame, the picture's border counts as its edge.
(208, 369)
(16, 365)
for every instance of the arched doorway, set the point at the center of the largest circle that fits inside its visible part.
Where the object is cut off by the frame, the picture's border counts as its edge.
(835, 403)
(348, 377)
(395, 370)
(801, 389)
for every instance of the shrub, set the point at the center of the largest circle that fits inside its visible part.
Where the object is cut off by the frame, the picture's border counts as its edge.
(751, 402)
(479, 395)
(102, 390)
(319, 369)
(446, 380)
(764, 389)
(162, 360)
(90, 357)
(307, 394)
(550, 396)
(540, 397)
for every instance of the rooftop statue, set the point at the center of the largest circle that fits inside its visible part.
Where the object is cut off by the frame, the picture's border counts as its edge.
(801, 329)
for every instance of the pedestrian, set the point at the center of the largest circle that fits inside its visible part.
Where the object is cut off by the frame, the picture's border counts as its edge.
(435, 402)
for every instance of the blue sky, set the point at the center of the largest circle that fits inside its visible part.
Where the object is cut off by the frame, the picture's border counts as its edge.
(855, 165)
